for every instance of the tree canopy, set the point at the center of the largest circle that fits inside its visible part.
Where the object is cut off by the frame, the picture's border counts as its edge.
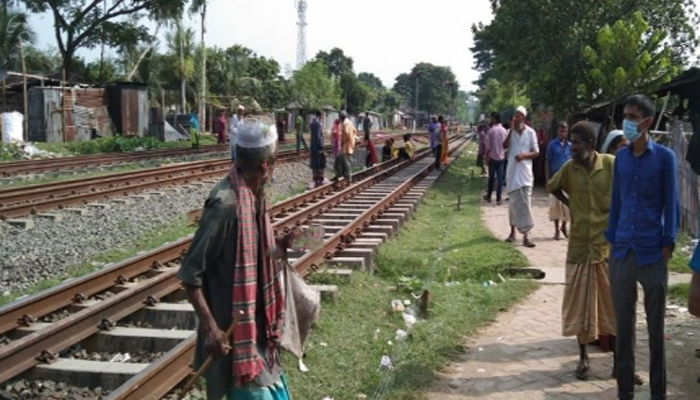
(626, 56)
(311, 88)
(87, 23)
(545, 52)
(437, 85)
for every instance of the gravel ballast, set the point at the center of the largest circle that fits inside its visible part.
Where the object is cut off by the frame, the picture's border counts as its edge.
(52, 248)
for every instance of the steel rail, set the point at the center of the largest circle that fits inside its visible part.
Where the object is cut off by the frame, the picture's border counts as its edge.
(46, 190)
(23, 353)
(160, 377)
(38, 199)
(12, 168)
(311, 261)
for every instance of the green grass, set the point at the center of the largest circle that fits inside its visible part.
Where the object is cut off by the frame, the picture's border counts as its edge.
(679, 261)
(118, 144)
(438, 246)
(678, 293)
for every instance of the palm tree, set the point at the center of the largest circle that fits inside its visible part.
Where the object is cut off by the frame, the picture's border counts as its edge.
(13, 29)
(181, 42)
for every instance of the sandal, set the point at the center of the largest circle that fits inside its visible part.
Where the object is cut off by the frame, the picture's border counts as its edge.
(582, 370)
(528, 244)
(556, 236)
(510, 239)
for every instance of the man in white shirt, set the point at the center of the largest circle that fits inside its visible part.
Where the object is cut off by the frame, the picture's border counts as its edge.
(522, 149)
(233, 131)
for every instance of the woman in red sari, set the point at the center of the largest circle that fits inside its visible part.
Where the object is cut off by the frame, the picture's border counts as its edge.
(443, 140)
(371, 152)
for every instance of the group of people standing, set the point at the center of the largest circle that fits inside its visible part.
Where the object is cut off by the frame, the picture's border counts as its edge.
(343, 137)
(623, 208)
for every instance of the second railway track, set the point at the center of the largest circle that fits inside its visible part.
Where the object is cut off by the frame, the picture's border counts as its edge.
(99, 311)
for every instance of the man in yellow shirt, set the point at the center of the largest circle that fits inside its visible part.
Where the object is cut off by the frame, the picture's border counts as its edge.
(587, 309)
(347, 148)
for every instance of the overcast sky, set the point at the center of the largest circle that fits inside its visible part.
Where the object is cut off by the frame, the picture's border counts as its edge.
(385, 37)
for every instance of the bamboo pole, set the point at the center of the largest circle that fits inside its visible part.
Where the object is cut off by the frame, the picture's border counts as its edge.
(210, 359)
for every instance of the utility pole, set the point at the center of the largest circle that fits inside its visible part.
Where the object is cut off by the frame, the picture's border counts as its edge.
(415, 124)
(203, 89)
(25, 136)
(301, 34)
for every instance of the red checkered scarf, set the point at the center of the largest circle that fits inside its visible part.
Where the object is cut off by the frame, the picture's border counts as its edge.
(247, 364)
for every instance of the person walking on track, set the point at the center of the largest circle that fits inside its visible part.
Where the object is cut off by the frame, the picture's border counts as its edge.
(230, 270)
(317, 155)
(233, 129)
(347, 148)
(300, 134)
(642, 229)
(435, 145)
(522, 149)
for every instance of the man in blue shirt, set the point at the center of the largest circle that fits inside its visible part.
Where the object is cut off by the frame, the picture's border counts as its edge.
(694, 298)
(642, 228)
(558, 153)
(434, 130)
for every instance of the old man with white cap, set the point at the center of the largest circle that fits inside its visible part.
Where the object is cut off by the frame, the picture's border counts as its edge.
(522, 149)
(233, 130)
(229, 269)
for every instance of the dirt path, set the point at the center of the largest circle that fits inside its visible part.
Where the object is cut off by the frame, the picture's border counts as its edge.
(523, 355)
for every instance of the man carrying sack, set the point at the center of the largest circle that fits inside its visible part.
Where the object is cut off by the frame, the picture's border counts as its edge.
(231, 269)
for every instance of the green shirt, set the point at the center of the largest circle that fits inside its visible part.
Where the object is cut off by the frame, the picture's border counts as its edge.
(589, 200)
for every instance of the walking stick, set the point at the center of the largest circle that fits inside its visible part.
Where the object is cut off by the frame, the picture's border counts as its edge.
(209, 360)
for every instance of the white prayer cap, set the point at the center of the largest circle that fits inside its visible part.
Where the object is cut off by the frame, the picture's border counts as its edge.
(608, 140)
(241, 108)
(521, 110)
(254, 134)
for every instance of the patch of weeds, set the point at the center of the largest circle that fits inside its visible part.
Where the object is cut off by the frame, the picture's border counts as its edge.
(679, 292)
(681, 256)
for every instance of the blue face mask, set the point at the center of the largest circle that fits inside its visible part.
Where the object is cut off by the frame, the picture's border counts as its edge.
(630, 130)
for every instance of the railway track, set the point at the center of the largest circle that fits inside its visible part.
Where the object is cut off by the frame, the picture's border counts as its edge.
(103, 312)
(32, 199)
(23, 167)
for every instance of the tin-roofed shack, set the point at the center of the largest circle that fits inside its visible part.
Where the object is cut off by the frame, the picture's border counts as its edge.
(127, 103)
(61, 112)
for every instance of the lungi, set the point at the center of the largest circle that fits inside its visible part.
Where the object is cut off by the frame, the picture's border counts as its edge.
(519, 210)
(587, 310)
(558, 211)
(278, 391)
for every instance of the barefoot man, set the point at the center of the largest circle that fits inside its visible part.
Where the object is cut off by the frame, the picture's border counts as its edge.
(587, 310)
